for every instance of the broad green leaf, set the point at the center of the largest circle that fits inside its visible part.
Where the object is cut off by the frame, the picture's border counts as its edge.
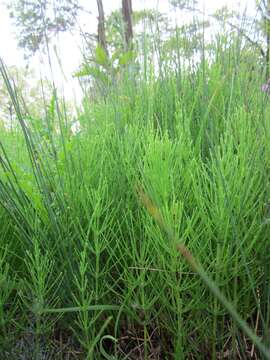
(87, 70)
(126, 58)
(101, 57)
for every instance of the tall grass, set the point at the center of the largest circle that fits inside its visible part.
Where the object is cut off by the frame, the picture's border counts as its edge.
(86, 270)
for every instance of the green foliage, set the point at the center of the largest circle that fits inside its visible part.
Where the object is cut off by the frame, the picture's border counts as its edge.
(126, 58)
(38, 21)
(183, 4)
(101, 57)
(81, 256)
(97, 74)
(105, 70)
(30, 91)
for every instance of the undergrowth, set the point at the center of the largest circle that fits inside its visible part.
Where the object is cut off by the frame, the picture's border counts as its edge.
(87, 272)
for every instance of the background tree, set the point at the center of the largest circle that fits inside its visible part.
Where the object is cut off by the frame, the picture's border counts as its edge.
(31, 92)
(254, 29)
(264, 8)
(38, 21)
(101, 26)
(127, 18)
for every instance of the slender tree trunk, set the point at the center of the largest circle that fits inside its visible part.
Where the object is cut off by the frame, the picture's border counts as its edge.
(127, 17)
(101, 26)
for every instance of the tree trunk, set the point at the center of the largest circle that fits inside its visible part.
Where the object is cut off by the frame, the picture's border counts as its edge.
(101, 26)
(127, 17)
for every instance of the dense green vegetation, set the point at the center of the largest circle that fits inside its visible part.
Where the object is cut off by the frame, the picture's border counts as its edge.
(91, 223)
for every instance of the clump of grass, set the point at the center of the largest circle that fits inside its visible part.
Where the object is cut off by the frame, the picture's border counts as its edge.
(79, 253)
